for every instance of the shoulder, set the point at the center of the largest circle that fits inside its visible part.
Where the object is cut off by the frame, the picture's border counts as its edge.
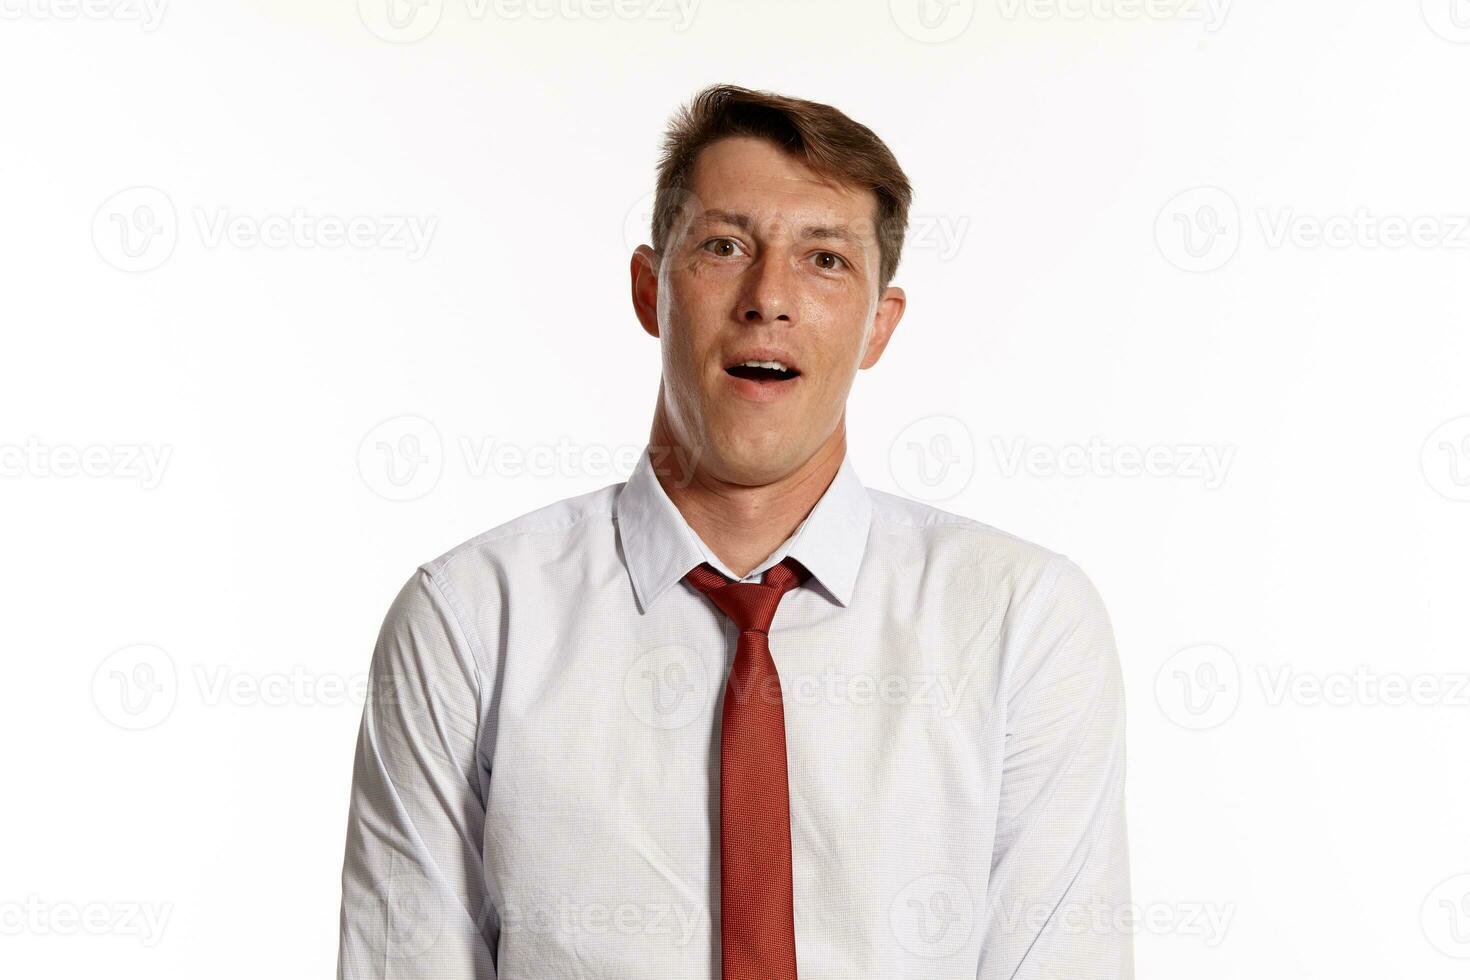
(1030, 583)
(537, 535)
(462, 591)
(962, 541)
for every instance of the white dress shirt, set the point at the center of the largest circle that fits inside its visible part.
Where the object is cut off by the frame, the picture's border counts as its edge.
(536, 787)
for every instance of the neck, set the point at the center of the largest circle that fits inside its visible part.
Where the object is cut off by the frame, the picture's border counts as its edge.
(743, 524)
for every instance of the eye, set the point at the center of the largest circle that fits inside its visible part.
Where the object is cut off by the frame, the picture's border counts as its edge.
(838, 261)
(718, 243)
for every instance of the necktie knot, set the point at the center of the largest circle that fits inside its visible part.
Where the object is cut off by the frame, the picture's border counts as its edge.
(749, 605)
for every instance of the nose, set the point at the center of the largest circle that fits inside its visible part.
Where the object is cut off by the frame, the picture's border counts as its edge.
(767, 297)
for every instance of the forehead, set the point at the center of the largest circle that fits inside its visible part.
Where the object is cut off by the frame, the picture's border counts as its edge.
(745, 175)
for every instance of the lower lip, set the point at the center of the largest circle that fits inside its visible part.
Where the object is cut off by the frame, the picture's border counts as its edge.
(762, 391)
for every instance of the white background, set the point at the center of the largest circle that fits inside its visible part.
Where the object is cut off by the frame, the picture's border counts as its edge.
(1177, 232)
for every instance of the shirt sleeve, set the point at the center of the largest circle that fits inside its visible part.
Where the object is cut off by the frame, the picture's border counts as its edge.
(1059, 901)
(414, 901)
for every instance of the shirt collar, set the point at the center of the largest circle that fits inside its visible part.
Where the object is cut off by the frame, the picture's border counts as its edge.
(659, 546)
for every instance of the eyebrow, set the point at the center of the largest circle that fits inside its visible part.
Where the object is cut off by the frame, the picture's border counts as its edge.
(747, 224)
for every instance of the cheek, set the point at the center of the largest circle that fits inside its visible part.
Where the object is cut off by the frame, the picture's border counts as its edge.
(694, 316)
(837, 338)
(686, 352)
(690, 297)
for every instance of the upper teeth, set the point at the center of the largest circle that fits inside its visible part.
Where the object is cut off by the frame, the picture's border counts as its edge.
(776, 365)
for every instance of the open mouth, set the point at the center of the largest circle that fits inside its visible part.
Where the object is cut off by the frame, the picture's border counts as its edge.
(765, 372)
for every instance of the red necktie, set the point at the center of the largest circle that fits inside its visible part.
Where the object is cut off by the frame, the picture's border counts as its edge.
(757, 926)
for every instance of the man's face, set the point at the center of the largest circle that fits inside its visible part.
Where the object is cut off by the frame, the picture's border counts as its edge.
(771, 262)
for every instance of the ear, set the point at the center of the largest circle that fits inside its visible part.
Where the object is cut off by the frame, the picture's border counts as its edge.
(643, 271)
(885, 321)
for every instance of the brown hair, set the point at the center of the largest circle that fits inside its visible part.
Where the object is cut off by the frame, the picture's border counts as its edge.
(826, 141)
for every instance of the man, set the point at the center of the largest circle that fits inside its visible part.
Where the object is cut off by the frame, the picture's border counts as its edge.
(739, 716)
